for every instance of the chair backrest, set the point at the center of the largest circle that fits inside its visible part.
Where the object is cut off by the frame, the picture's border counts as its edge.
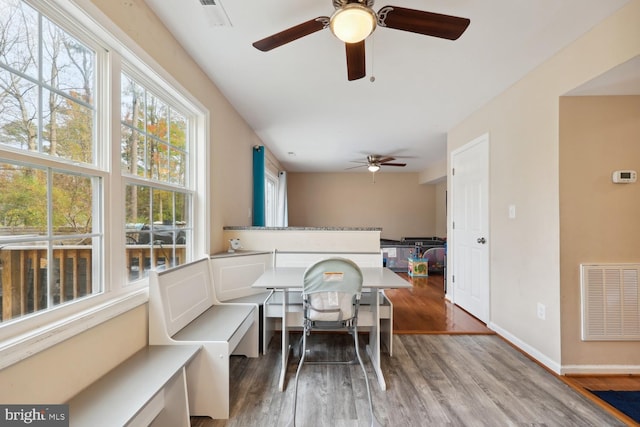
(332, 286)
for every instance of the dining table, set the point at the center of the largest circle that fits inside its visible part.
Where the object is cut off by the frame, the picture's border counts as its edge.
(375, 314)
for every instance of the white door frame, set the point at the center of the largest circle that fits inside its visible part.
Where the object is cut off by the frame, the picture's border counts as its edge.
(483, 312)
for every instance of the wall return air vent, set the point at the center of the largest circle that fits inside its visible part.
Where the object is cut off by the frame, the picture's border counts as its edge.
(610, 302)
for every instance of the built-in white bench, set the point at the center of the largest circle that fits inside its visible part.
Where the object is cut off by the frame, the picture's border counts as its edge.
(183, 310)
(306, 258)
(147, 388)
(233, 275)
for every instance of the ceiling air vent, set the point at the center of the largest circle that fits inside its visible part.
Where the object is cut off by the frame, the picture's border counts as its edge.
(215, 13)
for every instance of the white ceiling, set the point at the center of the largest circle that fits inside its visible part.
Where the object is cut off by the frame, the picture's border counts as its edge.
(299, 102)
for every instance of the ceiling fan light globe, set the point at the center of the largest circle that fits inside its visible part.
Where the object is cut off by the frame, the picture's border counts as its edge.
(353, 22)
(374, 168)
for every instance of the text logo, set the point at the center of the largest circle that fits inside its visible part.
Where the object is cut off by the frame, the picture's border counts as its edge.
(34, 415)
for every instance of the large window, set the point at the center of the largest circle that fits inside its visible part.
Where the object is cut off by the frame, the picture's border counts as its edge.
(154, 160)
(90, 201)
(51, 183)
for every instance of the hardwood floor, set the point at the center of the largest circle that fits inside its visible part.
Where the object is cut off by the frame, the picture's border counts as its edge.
(434, 380)
(422, 309)
(448, 369)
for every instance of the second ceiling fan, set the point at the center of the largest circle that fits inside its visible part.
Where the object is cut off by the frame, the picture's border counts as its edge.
(354, 20)
(374, 162)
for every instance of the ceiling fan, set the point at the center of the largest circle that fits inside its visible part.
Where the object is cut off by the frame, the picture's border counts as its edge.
(375, 162)
(354, 20)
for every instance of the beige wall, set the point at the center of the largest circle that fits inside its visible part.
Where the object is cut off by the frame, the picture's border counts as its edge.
(396, 202)
(57, 374)
(523, 125)
(599, 220)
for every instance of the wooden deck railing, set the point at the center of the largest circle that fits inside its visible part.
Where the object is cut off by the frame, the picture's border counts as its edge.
(24, 285)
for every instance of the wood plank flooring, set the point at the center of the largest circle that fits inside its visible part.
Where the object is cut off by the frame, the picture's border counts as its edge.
(434, 380)
(448, 369)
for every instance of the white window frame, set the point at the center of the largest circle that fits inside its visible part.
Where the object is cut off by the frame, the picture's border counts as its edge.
(129, 179)
(81, 18)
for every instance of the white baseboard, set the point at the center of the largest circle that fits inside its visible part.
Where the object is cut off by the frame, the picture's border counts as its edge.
(565, 369)
(541, 358)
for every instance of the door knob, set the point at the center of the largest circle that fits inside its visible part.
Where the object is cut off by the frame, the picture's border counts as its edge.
(482, 240)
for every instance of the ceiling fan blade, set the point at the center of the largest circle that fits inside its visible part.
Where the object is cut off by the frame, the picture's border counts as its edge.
(393, 164)
(291, 34)
(427, 23)
(354, 167)
(356, 68)
(386, 159)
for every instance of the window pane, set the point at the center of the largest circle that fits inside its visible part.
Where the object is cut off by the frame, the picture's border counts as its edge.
(131, 103)
(138, 206)
(177, 167)
(72, 204)
(178, 130)
(26, 289)
(133, 148)
(157, 117)
(31, 281)
(18, 112)
(23, 200)
(177, 151)
(68, 65)
(19, 37)
(160, 238)
(64, 87)
(156, 132)
(132, 153)
(68, 129)
(72, 270)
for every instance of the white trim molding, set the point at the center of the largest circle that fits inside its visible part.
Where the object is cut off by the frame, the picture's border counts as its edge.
(532, 352)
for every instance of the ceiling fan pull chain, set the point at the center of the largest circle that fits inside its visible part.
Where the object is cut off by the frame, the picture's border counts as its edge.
(373, 54)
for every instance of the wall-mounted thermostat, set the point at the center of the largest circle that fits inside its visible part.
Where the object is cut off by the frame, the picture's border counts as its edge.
(624, 177)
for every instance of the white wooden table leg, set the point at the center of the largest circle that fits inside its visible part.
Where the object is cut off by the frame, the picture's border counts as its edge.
(373, 349)
(285, 340)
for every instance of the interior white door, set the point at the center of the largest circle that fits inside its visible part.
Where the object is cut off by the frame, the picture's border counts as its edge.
(470, 227)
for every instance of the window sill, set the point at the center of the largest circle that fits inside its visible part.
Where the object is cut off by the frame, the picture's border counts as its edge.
(20, 347)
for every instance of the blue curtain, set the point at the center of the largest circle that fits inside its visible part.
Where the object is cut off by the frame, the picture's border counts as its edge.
(258, 186)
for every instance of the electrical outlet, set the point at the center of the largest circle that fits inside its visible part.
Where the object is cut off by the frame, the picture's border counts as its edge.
(542, 311)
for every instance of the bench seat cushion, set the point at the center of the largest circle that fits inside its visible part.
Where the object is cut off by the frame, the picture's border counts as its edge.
(217, 323)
